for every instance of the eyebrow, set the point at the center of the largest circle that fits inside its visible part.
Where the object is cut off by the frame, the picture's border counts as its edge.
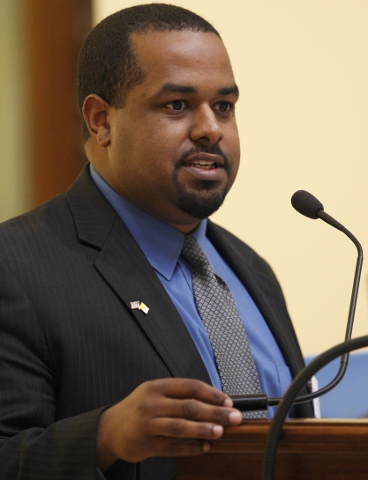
(229, 91)
(170, 87)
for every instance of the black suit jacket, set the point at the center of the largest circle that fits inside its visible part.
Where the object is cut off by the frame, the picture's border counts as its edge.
(70, 344)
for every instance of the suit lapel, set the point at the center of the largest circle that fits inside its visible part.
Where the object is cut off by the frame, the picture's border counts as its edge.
(126, 270)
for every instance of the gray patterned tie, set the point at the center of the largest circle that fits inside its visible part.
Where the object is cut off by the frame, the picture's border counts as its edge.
(217, 309)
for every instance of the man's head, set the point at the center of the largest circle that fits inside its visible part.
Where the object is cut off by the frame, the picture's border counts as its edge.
(108, 65)
(161, 124)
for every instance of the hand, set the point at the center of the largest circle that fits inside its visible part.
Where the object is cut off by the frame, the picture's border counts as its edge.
(166, 417)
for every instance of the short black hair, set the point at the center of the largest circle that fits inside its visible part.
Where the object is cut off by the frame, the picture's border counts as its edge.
(107, 64)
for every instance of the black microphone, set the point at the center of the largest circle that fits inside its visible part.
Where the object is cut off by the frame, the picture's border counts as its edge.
(309, 206)
(306, 204)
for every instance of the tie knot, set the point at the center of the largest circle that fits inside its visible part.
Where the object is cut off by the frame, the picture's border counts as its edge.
(193, 253)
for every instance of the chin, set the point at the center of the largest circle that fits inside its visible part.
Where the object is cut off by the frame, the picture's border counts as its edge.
(201, 206)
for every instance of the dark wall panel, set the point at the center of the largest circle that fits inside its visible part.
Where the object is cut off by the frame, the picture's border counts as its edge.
(55, 31)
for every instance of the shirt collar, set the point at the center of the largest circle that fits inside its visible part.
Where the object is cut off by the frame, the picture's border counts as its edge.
(160, 242)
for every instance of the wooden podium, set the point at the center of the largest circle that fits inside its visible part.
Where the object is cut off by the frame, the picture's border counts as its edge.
(308, 449)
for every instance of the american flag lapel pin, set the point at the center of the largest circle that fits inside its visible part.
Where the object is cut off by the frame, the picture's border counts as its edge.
(140, 306)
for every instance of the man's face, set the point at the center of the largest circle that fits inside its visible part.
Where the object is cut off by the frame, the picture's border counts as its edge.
(174, 147)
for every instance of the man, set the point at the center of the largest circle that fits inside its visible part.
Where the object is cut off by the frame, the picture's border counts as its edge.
(97, 312)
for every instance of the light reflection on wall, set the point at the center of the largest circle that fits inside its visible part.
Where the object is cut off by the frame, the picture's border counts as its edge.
(13, 118)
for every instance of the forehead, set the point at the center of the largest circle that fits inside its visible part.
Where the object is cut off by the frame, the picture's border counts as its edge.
(177, 56)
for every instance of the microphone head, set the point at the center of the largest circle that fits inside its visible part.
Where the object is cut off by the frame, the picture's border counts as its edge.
(306, 204)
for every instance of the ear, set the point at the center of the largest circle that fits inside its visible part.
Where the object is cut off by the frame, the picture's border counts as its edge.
(96, 115)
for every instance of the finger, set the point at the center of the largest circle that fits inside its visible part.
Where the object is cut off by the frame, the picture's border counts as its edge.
(165, 446)
(180, 447)
(192, 409)
(185, 429)
(170, 447)
(190, 388)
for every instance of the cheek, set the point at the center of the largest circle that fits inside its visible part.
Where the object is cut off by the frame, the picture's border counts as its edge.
(233, 151)
(146, 146)
(167, 130)
(233, 144)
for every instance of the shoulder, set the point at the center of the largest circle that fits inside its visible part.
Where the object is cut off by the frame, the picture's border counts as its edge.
(58, 219)
(23, 230)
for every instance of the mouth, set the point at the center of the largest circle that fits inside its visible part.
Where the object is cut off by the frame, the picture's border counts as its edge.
(203, 164)
(206, 161)
(205, 167)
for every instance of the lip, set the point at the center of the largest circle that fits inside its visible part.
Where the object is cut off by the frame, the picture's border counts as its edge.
(204, 158)
(205, 166)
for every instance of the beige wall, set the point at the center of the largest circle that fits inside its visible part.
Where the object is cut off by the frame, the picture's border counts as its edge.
(302, 68)
(14, 188)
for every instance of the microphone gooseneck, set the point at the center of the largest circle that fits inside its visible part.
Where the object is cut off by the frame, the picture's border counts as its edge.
(319, 362)
(305, 203)
(309, 206)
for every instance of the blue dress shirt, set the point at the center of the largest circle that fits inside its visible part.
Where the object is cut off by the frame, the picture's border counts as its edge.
(162, 245)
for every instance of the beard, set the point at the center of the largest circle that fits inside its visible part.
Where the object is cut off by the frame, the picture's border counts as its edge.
(202, 202)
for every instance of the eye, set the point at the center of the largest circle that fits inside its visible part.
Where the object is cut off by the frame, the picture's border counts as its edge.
(224, 107)
(176, 105)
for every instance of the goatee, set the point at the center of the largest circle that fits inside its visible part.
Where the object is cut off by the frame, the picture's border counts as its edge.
(206, 198)
(202, 203)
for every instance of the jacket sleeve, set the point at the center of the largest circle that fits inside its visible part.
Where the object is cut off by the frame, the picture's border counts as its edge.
(34, 444)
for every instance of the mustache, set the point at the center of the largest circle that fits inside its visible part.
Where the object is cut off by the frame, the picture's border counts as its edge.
(214, 150)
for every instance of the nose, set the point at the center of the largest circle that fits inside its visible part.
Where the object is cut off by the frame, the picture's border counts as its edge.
(205, 126)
